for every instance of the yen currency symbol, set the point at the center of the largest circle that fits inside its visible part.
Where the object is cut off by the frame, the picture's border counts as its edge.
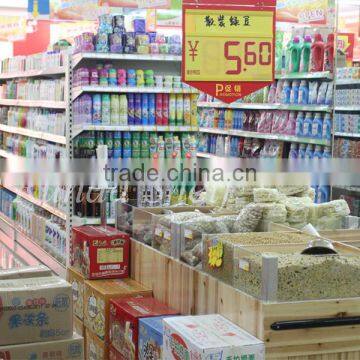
(193, 49)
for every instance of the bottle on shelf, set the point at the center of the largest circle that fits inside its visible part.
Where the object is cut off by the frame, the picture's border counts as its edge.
(295, 55)
(329, 53)
(305, 54)
(317, 54)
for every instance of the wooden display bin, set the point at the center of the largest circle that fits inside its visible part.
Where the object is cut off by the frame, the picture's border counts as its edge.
(191, 291)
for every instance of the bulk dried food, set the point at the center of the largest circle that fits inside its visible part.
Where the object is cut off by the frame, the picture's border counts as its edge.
(248, 219)
(245, 191)
(302, 277)
(336, 207)
(266, 195)
(329, 223)
(162, 239)
(297, 208)
(143, 232)
(276, 213)
(292, 189)
(192, 257)
(310, 193)
(166, 220)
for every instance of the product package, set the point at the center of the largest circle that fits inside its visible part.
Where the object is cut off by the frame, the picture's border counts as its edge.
(124, 322)
(208, 337)
(72, 348)
(97, 302)
(25, 272)
(101, 252)
(95, 348)
(35, 310)
(79, 326)
(77, 282)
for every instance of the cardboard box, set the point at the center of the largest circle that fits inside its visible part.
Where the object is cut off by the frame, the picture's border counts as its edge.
(77, 282)
(101, 252)
(72, 348)
(96, 349)
(114, 354)
(25, 272)
(79, 326)
(97, 302)
(124, 322)
(151, 331)
(35, 310)
(208, 337)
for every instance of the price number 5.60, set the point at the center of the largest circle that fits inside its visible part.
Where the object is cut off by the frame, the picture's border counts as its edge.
(254, 54)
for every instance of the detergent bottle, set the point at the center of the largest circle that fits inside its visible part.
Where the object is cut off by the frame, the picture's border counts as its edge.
(317, 54)
(305, 54)
(329, 54)
(295, 55)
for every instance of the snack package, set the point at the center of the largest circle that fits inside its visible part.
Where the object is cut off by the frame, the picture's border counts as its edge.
(77, 282)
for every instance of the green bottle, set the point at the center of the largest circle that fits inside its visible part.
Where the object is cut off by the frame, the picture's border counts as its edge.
(305, 55)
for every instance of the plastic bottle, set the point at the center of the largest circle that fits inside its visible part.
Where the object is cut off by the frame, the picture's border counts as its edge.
(172, 109)
(123, 113)
(317, 126)
(96, 109)
(165, 109)
(305, 54)
(161, 148)
(194, 119)
(152, 106)
(227, 146)
(187, 109)
(114, 109)
(159, 109)
(327, 153)
(329, 53)
(219, 150)
(309, 153)
(153, 144)
(294, 94)
(145, 148)
(294, 151)
(318, 153)
(117, 145)
(323, 194)
(137, 109)
(303, 93)
(135, 145)
(169, 145)
(131, 109)
(327, 126)
(288, 57)
(290, 128)
(127, 145)
(221, 121)
(286, 92)
(109, 142)
(307, 129)
(317, 53)
(295, 55)
(176, 148)
(144, 109)
(179, 109)
(299, 131)
(302, 150)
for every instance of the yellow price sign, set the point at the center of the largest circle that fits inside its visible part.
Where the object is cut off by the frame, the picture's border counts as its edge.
(228, 52)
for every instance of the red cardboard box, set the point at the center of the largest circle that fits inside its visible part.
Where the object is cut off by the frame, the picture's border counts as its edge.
(124, 323)
(101, 252)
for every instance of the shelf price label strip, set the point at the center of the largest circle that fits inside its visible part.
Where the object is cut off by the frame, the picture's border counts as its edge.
(228, 49)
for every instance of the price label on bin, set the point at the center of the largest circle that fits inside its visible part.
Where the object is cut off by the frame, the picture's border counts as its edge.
(228, 52)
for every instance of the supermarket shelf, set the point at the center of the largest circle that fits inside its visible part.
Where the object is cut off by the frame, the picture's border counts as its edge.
(33, 73)
(348, 82)
(204, 155)
(351, 135)
(77, 91)
(325, 75)
(78, 221)
(77, 130)
(252, 134)
(34, 134)
(316, 108)
(348, 108)
(27, 249)
(36, 202)
(77, 58)
(34, 103)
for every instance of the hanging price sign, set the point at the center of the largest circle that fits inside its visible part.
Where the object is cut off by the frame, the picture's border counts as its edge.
(228, 50)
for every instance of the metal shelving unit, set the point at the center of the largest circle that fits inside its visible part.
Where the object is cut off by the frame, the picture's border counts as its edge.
(33, 73)
(44, 104)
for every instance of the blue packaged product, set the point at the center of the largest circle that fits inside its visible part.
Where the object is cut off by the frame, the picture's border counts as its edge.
(326, 130)
(221, 123)
(309, 153)
(152, 107)
(109, 141)
(317, 127)
(318, 153)
(302, 150)
(294, 151)
(294, 95)
(323, 194)
(102, 42)
(131, 109)
(131, 77)
(144, 109)
(151, 338)
(299, 131)
(307, 129)
(127, 145)
(327, 153)
(303, 93)
(117, 144)
(286, 92)
(137, 109)
(96, 109)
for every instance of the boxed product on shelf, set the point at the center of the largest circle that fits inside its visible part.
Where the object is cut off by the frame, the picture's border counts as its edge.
(79, 326)
(77, 281)
(151, 332)
(25, 272)
(95, 349)
(35, 310)
(124, 323)
(348, 73)
(97, 302)
(208, 337)
(101, 252)
(282, 273)
(71, 348)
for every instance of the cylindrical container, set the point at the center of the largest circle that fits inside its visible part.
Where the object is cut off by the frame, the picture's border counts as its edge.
(96, 109)
(131, 109)
(135, 145)
(137, 107)
(131, 77)
(159, 109)
(179, 109)
(117, 145)
(109, 142)
(115, 109)
(103, 77)
(121, 77)
(152, 106)
(144, 109)
(105, 109)
(172, 109)
(165, 109)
